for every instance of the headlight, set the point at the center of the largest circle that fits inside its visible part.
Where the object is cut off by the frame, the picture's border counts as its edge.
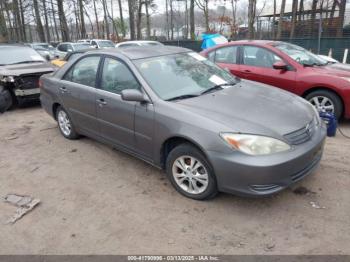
(255, 145)
(8, 79)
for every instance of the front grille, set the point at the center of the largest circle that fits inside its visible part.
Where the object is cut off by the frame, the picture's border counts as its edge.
(29, 81)
(301, 135)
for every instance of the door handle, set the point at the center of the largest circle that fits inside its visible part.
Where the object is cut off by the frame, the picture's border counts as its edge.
(247, 71)
(101, 102)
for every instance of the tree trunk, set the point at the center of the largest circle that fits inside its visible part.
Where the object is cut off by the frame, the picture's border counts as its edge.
(313, 16)
(63, 21)
(96, 18)
(39, 25)
(23, 25)
(47, 28)
(90, 21)
(206, 15)
(148, 19)
(192, 22)
(167, 19)
(251, 18)
(342, 8)
(280, 22)
(274, 20)
(82, 20)
(294, 18)
(139, 19)
(131, 5)
(122, 24)
(171, 20)
(54, 20)
(301, 10)
(104, 3)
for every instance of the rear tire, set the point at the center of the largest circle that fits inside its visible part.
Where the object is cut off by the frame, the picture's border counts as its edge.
(191, 173)
(6, 100)
(65, 124)
(326, 100)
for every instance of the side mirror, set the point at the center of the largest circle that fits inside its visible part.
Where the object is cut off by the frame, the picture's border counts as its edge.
(47, 57)
(133, 95)
(280, 66)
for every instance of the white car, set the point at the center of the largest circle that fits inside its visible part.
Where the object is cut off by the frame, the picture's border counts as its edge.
(102, 43)
(128, 44)
(63, 48)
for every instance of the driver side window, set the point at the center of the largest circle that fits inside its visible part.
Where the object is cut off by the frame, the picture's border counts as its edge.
(116, 77)
(259, 57)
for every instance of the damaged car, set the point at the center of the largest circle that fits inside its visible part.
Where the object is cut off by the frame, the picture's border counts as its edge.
(20, 70)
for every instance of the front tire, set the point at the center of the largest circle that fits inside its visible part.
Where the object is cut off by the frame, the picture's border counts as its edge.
(6, 100)
(324, 100)
(190, 173)
(65, 124)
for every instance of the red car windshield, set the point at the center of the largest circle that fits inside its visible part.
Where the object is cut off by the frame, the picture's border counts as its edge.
(300, 55)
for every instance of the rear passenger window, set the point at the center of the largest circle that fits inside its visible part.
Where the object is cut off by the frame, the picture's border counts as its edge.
(116, 77)
(84, 71)
(226, 55)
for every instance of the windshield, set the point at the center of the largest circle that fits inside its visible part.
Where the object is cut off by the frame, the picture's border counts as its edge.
(182, 74)
(106, 44)
(301, 55)
(16, 55)
(81, 46)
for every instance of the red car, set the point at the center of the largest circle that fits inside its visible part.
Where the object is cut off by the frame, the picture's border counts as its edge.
(289, 67)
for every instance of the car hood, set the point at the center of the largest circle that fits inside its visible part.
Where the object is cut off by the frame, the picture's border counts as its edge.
(337, 69)
(24, 69)
(250, 107)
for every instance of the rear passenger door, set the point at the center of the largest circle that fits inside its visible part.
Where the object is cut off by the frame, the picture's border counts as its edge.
(227, 58)
(78, 93)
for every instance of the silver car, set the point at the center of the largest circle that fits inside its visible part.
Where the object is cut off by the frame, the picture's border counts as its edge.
(178, 111)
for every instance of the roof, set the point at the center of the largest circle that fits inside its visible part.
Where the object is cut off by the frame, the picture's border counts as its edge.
(145, 51)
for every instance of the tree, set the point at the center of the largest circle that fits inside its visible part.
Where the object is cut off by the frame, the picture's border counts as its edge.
(342, 8)
(139, 18)
(53, 12)
(131, 5)
(104, 4)
(96, 19)
(203, 5)
(121, 18)
(274, 19)
(251, 18)
(313, 17)
(48, 38)
(294, 18)
(39, 25)
(280, 21)
(82, 20)
(63, 21)
(192, 22)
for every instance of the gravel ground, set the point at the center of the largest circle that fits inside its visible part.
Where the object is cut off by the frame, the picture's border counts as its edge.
(96, 200)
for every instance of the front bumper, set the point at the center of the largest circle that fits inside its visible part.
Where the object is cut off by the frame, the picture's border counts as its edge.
(245, 175)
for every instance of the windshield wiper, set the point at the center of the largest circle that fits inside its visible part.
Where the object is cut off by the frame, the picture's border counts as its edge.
(181, 97)
(28, 62)
(217, 88)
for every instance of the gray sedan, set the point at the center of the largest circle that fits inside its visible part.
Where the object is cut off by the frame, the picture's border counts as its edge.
(178, 111)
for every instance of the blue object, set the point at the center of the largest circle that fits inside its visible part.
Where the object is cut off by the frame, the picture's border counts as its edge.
(210, 40)
(331, 122)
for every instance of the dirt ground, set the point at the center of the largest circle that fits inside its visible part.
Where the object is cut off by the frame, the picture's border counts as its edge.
(96, 200)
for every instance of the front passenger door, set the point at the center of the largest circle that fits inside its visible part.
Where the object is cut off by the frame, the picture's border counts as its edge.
(116, 116)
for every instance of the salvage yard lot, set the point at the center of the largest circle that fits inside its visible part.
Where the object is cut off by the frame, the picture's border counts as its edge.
(96, 200)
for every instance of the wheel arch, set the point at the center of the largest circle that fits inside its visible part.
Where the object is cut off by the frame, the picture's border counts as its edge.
(172, 142)
(318, 88)
(54, 109)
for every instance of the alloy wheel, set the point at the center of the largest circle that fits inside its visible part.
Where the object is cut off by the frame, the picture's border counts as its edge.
(190, 174)
(322, 103)
(64, 123)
